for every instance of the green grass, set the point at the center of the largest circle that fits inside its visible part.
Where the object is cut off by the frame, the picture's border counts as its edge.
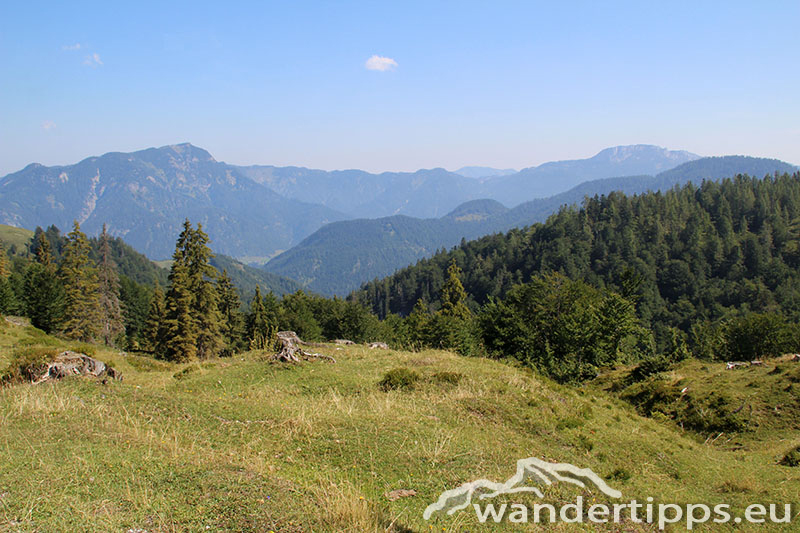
(19, 237)
(245, 445)
(747, 405)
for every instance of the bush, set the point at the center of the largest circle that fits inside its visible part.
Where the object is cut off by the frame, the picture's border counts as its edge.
(181, 374)
(758, 335)
(792, 458)
(452, 378)
(649, 367)
(399, 379)
(27, 363)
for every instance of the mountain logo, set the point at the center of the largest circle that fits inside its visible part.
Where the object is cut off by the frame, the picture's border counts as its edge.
(531, 468)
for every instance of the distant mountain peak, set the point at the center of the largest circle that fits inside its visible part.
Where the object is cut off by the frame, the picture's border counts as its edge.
(188, 151)
(617, 154)
(478, 172)
(477, 210)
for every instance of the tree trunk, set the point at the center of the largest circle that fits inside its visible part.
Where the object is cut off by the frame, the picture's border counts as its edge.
(291, 351)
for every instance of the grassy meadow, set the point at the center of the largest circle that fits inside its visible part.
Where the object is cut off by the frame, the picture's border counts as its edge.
(242, 444)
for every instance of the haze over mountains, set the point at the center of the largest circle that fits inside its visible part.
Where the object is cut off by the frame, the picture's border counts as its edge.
(257, 212)
(145, 196)
(429, 193)
(340, 256)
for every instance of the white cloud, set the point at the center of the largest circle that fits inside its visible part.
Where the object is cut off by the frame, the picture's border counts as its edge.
(93, 60)
(380, 63)
(76, 46)
(48, 125)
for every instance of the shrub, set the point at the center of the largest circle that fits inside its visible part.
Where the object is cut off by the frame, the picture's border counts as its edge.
(792, 458)
(399, 379)
(620, 474)
(181, 374)
(452, 378)
(758, 335)
(648, 367)
(28, 362)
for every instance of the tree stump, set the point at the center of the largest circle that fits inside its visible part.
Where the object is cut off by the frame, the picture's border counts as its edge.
(291, 351)
(70, 363)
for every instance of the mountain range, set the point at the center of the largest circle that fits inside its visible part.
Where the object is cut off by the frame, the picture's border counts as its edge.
(337, 258)
(145, 196)
(331, 230)
(257, 212)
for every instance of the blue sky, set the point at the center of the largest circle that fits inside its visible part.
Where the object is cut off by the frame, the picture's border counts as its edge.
(505, 84)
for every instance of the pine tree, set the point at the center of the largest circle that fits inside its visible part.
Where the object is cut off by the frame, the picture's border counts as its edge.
(153, 330)
(418, 324)
(259, 330)
(41, 249)
(7, 297)
(179, 329)
(43, 294)
(210, 340)
(232, 320)
(82, 310)
(192, 324)
(4, 267)
(453, 295)
(112, 321)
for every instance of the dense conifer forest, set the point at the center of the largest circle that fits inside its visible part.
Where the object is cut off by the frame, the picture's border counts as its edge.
(709, 271)
(689, 258)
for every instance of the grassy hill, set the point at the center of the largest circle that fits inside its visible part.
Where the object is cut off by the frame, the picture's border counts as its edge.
(13, 236)
(747, 405)
(244, 445)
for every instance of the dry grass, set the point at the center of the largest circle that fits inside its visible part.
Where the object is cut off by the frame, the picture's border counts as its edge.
(249, 446)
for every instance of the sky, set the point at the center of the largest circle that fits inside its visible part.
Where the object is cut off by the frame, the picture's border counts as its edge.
(397, 85)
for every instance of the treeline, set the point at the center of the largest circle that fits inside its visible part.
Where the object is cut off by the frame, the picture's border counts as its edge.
(74, 286)
(34, 280)
(200, 315)
(699, 257)
(709, 271)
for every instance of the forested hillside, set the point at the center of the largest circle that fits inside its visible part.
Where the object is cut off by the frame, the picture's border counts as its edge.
(690, 255)
(340, 256)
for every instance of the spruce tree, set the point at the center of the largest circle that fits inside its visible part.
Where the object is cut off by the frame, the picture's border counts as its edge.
(82, 310)
(41, 249)
(43, 293)
(112, 323)
(259, 332)
(418, 324)
(232, 320)
(453, 295)
(4, 266)
(179, 331)
(153, 329)
(7, 297)
(192, 325)
(205, 308)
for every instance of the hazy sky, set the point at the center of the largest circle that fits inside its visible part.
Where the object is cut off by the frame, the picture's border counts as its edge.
(397, 86)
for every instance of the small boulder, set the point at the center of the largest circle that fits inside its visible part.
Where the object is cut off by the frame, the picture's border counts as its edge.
(70, 363)
(400, 493)
(379, 345)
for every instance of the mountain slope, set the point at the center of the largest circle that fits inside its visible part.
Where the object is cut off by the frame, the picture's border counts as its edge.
(424, 193)
(434, 192)
(552, 178)
(145, 197)
(240, 445)
(245, 278)
(690, 256)
(484, 172)
(342, 255)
